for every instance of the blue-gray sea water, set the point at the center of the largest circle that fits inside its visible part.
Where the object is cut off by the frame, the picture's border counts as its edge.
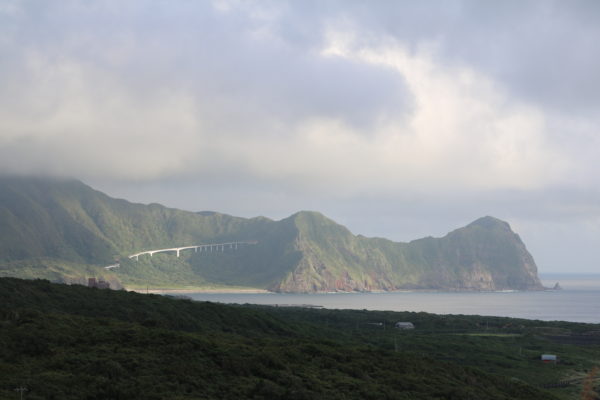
(578, 301)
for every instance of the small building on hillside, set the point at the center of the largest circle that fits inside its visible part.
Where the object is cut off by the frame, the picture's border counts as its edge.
(404, 325)
(549, 358)
(100, 283)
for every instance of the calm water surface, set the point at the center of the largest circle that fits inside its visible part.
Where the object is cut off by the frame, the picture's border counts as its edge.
(579, 301)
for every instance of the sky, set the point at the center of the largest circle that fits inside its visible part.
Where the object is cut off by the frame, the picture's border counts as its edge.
(397, 119)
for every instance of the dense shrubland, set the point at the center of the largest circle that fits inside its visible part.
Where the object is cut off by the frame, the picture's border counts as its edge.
(72, 342)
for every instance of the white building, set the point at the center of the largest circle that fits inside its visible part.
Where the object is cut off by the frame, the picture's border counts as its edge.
(405, 325)
(549, 358)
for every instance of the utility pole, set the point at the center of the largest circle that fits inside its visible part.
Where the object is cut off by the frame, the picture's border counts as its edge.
(21, 389)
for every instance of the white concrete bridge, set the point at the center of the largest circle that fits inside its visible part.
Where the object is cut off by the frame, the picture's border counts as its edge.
(213, 247)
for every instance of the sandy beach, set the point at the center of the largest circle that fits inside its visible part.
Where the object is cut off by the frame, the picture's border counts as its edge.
(197, 290)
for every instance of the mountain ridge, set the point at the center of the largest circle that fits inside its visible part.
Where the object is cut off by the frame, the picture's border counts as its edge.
(66, 230)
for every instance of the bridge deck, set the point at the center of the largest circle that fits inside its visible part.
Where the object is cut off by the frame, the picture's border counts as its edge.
(211, 246)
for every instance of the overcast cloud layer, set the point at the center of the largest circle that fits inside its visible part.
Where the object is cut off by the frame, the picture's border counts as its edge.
(398, 119)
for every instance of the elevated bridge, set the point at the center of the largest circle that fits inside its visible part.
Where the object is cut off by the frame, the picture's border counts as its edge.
(212, 247)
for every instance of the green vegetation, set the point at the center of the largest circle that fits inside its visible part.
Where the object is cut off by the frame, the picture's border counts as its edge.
(65, 231)
(485, 255)
(73, 342)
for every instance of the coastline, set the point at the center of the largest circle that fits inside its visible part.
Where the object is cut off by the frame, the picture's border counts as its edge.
(197, 290)
(265, 291)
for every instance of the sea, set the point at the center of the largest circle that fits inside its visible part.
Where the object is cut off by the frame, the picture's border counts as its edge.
(577, 301)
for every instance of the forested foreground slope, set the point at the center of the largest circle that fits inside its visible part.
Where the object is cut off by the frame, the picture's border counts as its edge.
(64, 230)
(73, 342)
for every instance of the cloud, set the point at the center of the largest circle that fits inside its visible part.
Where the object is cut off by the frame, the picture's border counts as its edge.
(466, 130)
(542, 51)
(168, 91)
(74, 119)
(384, 112)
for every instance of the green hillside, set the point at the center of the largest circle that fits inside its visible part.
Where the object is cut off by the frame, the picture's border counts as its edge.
(485, 255)
(73, 342)
(65, 231)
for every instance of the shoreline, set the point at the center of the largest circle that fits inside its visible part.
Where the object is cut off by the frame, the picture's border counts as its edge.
(197, 290)
(265, 291)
